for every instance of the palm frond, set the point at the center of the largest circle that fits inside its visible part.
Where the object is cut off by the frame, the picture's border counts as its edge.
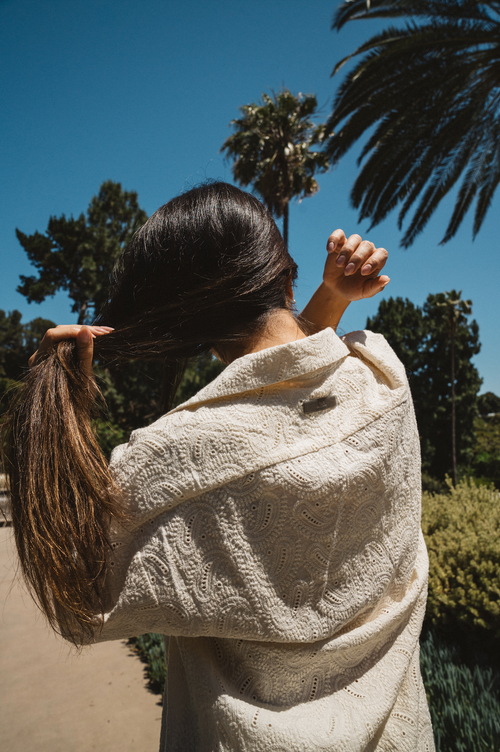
(483, 176)
(443, 180)
(356, 10)
(430, 92)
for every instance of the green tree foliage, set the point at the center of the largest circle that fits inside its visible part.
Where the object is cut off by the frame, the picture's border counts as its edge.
(17, 342)
(463, 702)
(272, 146)
(404, 326)
(486, 462)
(199, 373)
(78, 255)
(461, 530)
(428, 91)
(11, 337)
(488, 404)
(486, 459)
(421, 339)
(454, 311)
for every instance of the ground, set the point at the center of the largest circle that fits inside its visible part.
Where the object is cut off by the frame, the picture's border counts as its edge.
(52, 700)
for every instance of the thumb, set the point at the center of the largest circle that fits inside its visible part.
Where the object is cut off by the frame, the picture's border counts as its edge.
(85, 350)
(373, 286)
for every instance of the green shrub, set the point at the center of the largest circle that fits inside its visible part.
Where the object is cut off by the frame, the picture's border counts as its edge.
(151, 649)
(461, 529)
(463, 702)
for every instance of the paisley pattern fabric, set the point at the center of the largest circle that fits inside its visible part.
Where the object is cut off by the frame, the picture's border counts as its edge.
(280, 553)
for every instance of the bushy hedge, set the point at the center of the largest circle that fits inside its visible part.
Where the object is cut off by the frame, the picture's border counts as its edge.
(151, 650)
(463, 702)
(462, 532)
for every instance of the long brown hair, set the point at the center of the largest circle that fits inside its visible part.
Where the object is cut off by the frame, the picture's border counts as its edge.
(204, 272)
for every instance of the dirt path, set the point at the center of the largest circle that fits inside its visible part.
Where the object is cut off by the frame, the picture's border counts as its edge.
(54, 701)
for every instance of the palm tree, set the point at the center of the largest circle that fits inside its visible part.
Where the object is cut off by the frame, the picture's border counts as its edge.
(432, 90)
(272, 147)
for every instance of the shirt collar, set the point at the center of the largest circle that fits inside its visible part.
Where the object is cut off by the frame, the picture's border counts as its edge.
(272, 366)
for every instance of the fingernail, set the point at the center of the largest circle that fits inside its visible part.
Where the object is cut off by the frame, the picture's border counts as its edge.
(349, 269)
(341, 261)
(367, 269)
(330, 247)
(85, 335)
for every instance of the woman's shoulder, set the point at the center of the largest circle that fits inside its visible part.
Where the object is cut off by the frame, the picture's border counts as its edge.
(236, 413)
(377, 353)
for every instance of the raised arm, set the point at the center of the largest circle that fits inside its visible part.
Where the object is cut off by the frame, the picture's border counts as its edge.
(352, 272)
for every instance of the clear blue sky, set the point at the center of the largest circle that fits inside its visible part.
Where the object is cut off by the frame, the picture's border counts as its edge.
(142, 92)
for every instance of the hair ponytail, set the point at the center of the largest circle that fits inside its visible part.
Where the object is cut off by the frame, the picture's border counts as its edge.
(61, 492)
(204, 272)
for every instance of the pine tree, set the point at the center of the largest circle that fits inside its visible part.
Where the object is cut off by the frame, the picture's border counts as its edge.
(78, 255)
(421, 338)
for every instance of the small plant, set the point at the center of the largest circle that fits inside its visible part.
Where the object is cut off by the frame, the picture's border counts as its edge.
(151, 649)
(463, 702)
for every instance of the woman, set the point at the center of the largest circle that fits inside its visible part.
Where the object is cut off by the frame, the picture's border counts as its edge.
(269, 526)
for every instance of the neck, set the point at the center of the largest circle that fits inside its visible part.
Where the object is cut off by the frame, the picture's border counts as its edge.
(281, 328)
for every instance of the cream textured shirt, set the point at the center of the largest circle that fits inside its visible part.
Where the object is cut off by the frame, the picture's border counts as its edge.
(275, 540)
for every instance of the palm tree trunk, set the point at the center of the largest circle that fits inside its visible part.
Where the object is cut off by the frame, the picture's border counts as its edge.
(453, 415)
(285, 223)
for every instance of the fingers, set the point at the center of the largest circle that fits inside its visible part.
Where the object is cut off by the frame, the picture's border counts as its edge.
(351, 245)
(353, 267)
(361, 254)
(65, 332)
(374, 263)
(336, 241)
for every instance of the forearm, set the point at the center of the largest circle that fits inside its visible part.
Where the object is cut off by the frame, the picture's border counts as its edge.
(325, 309)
